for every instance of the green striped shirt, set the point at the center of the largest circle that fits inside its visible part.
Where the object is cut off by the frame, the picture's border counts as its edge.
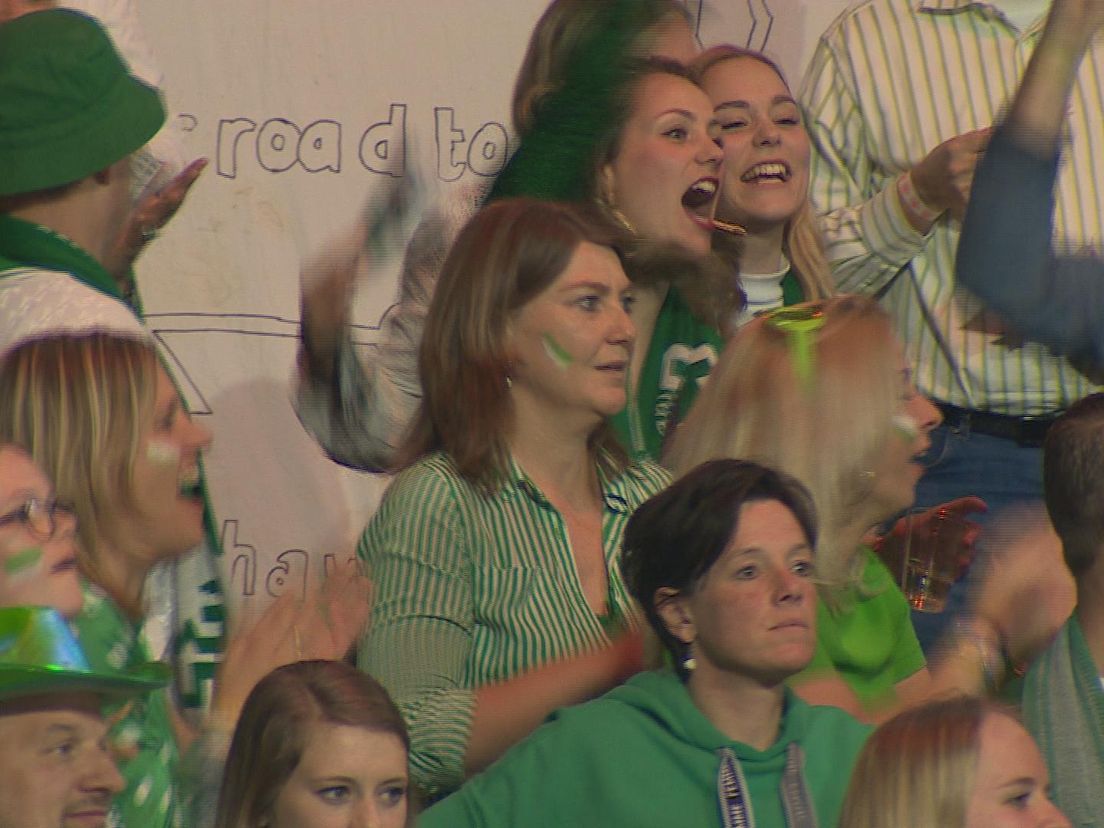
(889, 81)
(472, 589)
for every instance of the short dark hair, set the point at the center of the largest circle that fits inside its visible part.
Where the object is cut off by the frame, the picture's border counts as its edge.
(674, 538)
(1073, 481)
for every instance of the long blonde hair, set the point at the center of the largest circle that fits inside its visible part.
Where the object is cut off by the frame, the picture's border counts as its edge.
(78, 405)
(802, 242)
(826, 429)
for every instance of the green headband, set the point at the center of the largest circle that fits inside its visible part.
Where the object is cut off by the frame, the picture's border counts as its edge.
(800, 324)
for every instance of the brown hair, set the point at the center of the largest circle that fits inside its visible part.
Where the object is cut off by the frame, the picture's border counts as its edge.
(78, 405)
(1073, 481)
(802, 242)
(275, 724)
(507, 254)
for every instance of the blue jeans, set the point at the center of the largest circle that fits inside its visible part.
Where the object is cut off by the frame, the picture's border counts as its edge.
(959, 463)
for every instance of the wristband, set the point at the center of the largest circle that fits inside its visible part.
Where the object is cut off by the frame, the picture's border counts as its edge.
(912, 202)
(986, 646)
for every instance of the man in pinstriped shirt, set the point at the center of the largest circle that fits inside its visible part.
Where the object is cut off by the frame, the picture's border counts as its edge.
(900, 96)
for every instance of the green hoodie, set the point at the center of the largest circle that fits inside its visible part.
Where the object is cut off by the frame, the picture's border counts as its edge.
(644, 755)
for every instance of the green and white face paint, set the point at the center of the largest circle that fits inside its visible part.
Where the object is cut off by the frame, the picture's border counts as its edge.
(163, 453)
(556, 352)
(25, 563)
(167, 455)
(906, 426)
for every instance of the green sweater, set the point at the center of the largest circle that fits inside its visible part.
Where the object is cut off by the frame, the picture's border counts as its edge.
(644, 755)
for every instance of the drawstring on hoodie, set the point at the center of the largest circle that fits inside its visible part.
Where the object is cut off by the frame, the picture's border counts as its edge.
(736, 811)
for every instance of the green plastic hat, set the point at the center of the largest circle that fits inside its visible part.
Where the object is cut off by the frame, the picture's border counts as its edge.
(69, 106)
(39, 654)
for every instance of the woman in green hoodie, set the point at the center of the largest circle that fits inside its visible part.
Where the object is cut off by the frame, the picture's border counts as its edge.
(721, 563)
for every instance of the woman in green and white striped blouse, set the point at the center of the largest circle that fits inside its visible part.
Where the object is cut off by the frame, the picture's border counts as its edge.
(495, 551)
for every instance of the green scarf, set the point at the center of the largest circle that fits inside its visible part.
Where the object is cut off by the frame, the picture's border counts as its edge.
(25, 244)
(1063, 706)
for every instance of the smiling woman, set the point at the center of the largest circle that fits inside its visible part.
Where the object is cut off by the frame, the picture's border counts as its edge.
(100, 417)
(765, 186)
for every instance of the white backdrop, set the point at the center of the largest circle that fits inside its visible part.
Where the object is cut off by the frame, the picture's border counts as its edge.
(303, 108)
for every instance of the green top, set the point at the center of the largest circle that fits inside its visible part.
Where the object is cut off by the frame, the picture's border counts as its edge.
(682, 352)
(869, 640)
(111, 642)
(474, 588)
(792, 293)
(645, 755)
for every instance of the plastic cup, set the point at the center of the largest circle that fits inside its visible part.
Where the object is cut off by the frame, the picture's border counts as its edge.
(925, 556)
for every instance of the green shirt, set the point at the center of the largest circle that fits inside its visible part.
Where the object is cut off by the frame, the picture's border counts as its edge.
(112, 643)
(644, 755)
(682, 352)
(474, 588)
(870, 640)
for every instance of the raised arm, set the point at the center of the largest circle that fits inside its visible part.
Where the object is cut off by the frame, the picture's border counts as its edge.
(1005, 253)
(357, 403)
(875, 218)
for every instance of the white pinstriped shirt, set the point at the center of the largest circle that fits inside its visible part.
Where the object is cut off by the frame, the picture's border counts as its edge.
(890, 80)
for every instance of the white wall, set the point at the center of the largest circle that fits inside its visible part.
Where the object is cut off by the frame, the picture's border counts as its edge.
(290, 101)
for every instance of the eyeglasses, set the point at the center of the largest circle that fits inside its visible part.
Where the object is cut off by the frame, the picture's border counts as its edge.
(39, 517)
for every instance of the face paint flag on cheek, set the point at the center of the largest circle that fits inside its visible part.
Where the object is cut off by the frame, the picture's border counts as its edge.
(556, 351)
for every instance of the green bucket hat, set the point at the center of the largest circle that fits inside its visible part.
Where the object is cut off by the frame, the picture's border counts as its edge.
(39, 654)
(69, 106)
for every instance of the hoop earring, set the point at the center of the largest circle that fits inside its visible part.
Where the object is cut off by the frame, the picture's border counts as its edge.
(605, 203)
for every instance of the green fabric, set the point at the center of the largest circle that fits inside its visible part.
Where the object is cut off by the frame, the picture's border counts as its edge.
(644, 755)
(112, 643)
(682, 352)
(69, 106)
(474, 588)
(556, 159)
(1063, 707)
(870, 640)
(198, 641)
(792, 294)
(24, 244)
